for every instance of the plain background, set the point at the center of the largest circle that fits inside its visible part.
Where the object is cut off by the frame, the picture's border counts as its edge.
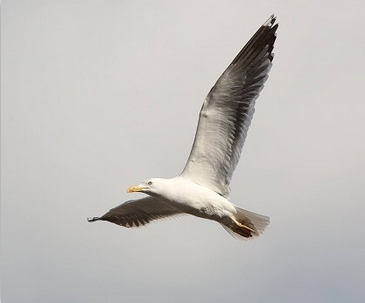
(100, 95)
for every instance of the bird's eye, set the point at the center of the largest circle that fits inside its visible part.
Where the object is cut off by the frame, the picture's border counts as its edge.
(149, 182)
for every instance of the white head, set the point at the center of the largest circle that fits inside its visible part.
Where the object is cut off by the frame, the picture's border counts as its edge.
(153, 186)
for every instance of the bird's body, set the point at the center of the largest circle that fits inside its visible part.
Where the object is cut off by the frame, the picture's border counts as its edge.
(191, 198)
(202, 189)
(195, 199)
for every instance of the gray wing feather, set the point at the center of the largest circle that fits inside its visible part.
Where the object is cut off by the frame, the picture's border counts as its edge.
(135, 213)
(227, 112)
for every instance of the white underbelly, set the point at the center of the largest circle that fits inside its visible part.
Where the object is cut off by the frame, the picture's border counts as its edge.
(201, 201)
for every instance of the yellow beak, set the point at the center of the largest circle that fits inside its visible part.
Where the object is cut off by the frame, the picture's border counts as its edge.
(135, 188)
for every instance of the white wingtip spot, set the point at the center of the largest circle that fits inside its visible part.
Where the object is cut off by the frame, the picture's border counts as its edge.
(270, 21)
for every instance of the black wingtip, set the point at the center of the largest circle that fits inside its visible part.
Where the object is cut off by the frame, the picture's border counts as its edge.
(93, 219)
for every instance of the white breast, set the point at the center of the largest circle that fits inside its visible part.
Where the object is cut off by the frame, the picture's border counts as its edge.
(198, 200)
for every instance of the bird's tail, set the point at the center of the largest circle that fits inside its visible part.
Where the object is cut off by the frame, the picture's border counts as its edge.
(246, 224)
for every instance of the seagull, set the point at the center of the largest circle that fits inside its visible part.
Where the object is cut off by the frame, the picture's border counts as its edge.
(202, 189)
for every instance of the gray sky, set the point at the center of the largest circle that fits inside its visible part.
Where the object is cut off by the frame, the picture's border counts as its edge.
(99, 95)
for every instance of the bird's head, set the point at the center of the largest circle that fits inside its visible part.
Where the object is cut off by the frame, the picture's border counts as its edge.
(151, 186)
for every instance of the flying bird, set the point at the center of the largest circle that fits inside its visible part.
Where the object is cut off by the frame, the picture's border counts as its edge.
(202, 189)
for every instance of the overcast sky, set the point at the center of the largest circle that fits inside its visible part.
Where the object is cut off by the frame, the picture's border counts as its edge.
(100, 95)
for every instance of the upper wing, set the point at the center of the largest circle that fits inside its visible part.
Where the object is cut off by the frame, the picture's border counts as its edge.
(136, 213)
(227, 112)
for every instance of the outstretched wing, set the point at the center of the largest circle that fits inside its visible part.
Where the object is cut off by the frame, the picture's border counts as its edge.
(227, 112)
(135, 213)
